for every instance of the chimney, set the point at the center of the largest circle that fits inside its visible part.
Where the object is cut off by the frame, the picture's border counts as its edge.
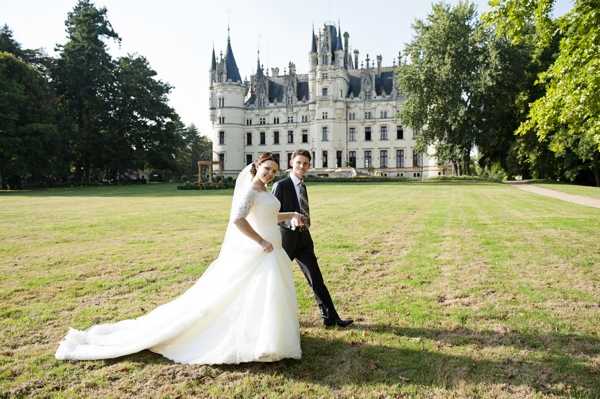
(379, 58)
(356, 59)
(275, 71)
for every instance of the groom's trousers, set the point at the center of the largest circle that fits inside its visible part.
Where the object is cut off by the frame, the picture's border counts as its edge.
(298, 244)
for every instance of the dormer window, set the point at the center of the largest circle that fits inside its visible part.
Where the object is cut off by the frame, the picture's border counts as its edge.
(324, 75)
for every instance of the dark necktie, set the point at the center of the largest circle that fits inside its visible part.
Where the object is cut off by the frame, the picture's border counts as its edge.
(304, 208)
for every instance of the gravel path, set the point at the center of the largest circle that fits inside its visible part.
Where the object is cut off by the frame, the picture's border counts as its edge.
(576, 199)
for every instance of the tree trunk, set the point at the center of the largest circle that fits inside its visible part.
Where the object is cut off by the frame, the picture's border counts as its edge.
(596, 172)
(467, 161)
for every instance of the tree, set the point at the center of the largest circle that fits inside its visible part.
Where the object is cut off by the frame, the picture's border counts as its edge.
(567, 117)
(443, 81)
(146, 130)
(196, 148)
(84, 80)
(28, 134)
(563, 118)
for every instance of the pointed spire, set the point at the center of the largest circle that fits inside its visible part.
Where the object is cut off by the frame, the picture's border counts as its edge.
(233, 73)
(314, 41)
(339, 45)
(259, 69)
(213, 61)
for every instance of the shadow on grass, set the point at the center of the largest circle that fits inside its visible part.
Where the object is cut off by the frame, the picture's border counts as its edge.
(170, 189)
(145, 190)
(335, 363)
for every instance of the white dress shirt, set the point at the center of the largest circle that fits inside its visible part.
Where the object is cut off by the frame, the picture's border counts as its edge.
(297, 182)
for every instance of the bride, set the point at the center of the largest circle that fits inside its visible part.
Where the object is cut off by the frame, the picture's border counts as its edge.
(242, 309)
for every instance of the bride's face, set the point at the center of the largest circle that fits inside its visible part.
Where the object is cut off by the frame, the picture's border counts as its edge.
(266, 171)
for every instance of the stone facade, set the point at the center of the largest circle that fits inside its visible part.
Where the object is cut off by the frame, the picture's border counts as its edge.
(344, 113)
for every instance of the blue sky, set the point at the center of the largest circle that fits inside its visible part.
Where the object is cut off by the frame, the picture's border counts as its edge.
(177, 36)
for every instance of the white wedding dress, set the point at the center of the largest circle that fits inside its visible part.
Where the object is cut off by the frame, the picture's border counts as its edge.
(242, 309)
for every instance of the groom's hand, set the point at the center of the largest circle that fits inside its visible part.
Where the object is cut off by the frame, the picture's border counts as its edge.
(298, 219)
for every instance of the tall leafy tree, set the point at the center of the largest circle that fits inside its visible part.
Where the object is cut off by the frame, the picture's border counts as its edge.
(84, 80)
(146, 131)
(443, 81)
(558, 135)
(567, 117)
(28, 134)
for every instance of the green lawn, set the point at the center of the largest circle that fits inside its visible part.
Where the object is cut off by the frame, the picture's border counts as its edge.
(593, 192)
(459, 290)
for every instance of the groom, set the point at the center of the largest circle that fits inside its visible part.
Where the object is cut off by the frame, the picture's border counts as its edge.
(296, 240)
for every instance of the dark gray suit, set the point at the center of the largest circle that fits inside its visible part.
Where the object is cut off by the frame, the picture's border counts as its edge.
(298, 244)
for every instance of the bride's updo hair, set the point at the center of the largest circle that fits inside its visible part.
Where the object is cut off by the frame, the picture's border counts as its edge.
(265, 156)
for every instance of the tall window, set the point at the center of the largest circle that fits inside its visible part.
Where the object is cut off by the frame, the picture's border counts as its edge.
(276, 137)
(352, 134)
(324, 159)
(417, 159)
(305, 136)
(248, 122)
(399, 158)
(221, 120)
(221, 161)
(383, 159)
(289, 156)
(221, 102)
(324, 91)
(249, 138)
(324, 133)
(352, 158)
(248, 159)
(367, 133)
(290, 137)
(221, 137)
(304, 118)
(368, 161)
(314, 160)
(276, 120)
(399, 133)
(338, 159)
(383, 133)
(263, 139)
(276, 157)
(324, 115)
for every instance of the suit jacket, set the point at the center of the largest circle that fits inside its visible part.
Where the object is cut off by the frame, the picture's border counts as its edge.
(285, 192)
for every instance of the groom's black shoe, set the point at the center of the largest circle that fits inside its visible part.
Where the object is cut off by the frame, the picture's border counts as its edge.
(337, 322)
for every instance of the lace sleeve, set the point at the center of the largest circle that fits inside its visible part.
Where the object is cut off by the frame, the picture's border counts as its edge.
(242, 208)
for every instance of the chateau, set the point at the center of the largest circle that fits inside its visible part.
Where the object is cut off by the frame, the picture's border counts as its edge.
(344, 111)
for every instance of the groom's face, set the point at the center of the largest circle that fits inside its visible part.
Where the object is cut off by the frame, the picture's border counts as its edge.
(300, 165)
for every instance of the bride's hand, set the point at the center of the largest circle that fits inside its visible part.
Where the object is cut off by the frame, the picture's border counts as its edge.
(266, 245)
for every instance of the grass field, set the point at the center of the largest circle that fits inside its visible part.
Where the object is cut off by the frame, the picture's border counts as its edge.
(458, 290)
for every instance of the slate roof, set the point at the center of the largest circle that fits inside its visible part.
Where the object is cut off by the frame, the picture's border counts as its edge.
(233, 73)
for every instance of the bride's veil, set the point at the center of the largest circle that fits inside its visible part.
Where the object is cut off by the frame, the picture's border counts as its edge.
(243, 184)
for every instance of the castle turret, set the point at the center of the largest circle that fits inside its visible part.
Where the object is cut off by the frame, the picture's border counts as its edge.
(227, 112)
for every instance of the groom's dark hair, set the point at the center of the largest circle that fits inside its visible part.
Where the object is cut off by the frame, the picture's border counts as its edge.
(304, 153)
